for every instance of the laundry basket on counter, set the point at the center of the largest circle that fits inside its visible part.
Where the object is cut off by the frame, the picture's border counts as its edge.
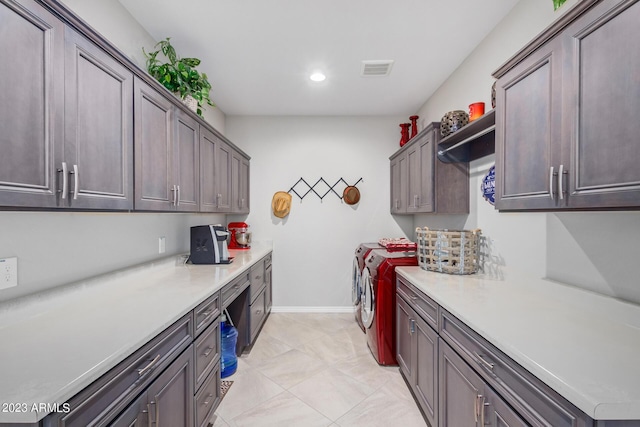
(448, 251)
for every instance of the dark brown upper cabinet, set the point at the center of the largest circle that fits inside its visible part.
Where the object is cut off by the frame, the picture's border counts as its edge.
(566, 125)
(421, 183)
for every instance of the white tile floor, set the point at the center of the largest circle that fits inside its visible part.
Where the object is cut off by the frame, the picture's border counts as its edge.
(315, 370)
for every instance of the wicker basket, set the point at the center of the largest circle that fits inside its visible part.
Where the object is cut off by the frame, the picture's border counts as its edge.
(448, 251)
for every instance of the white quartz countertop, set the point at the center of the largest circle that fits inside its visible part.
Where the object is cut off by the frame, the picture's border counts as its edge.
(56, 343)
(583, 345)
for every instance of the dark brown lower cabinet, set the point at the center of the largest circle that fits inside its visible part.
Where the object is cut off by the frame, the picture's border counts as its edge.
(170, 396)
(167, 401)
(466, 400)
(417, 347)
(460, 390)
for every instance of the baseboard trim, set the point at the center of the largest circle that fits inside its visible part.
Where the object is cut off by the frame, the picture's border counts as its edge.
(288, 309)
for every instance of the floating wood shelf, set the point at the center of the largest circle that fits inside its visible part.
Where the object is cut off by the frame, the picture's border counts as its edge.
(474, 141)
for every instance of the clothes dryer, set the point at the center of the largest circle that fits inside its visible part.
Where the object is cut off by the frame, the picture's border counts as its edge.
(378, 301)
(356, 287)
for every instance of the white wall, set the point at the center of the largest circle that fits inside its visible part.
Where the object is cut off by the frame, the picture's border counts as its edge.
(314, 245)
(116, 24)
(596, 250)
(55, 248)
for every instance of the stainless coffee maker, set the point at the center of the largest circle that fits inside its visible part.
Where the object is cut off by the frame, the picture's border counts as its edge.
(209, 244)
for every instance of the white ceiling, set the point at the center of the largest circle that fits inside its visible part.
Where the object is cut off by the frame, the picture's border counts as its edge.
(258, 54)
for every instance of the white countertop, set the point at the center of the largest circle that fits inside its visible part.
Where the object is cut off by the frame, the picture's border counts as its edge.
(583, 345)
(56, 343)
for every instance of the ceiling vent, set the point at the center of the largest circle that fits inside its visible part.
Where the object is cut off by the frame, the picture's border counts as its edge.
(377, 68)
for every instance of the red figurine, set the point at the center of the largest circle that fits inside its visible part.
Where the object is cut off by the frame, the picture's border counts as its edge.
(404, 131)
(414, 125)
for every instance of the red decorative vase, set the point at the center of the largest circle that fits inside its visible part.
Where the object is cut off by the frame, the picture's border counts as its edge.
(414, 125)
(404, 132)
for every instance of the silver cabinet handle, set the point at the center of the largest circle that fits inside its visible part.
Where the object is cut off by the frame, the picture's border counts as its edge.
(178, 196)
(484, 407)
(415, 200)
(76, 182)
(147, 368)
(560, 183)
(65, 182)
(551, 183)
(174, 190)
(397, 204)
(207, 352)
(412, 326)
(206, 402)
(476, 410)
(483, 362)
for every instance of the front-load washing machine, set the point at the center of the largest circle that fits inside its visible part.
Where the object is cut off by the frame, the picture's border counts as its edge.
(378, 301)
(356, 288)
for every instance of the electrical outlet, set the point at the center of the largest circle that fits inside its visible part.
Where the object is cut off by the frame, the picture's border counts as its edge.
(162, 245)
(8, 272)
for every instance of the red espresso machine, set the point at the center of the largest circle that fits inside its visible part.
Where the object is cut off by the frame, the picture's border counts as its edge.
(240, 235)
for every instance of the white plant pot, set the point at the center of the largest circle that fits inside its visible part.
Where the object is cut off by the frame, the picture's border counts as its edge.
(191, 103)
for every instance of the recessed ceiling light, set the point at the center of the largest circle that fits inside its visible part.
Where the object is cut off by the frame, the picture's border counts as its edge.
(317, 77)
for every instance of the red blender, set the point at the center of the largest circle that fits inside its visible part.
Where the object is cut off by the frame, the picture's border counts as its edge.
(240, 235)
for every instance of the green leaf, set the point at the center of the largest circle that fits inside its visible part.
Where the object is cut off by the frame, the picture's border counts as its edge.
(558, 3)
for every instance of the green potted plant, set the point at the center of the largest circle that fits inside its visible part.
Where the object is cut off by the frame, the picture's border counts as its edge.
(179, 75)
(558, 3)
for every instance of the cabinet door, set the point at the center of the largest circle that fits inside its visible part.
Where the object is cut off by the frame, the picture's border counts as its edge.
(98, 145)
(404, 339)
(223, 163)
(153, 149)
(426, 156)
(257, 314)
(399, 184)
(31, 111)
(414, 183)
(186, 163)
(395, 185)
(426, 369)
(497, 413)
(239, 183)
(602, 99)
(269, 290)
(461, 390)
(528, 131)
(136, 414)
(244, 185)
(170, 396)
(208, 168)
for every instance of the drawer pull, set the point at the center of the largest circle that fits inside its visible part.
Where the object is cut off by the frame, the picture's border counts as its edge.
(207, 352)
(206, 402)
(207, 313)
(483, 362)
(413, 298)
(258, 311)
(236, 286)
(143, 371)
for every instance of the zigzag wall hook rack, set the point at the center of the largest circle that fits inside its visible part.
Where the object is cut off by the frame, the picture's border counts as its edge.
(312, 188)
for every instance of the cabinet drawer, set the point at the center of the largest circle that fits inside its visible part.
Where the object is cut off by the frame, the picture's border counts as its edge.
(422, 304)
(207, 352)
(233, 289)
(208, 398)
(537, 403)
(258, 313)
(257, 279)
(111, 393)
(206, 313)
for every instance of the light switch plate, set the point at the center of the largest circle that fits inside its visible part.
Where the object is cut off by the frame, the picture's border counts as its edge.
(8, 272)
